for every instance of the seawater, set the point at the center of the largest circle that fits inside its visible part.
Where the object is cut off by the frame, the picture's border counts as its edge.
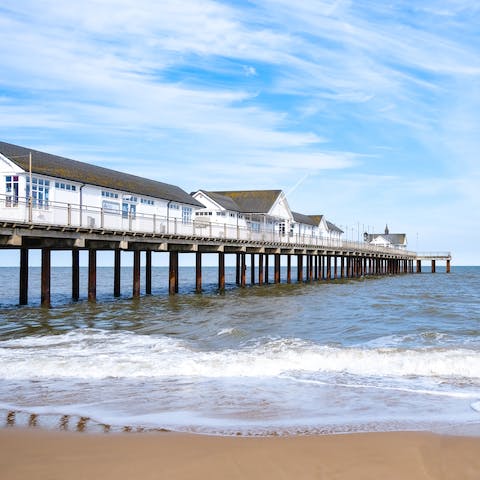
(376, 354)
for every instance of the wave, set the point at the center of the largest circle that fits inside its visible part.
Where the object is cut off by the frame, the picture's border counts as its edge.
(97, 354)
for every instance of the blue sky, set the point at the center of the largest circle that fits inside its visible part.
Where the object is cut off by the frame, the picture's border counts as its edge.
(364, 111)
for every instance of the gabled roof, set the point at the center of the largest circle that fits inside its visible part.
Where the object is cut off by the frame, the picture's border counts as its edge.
(224, 201)
(304, 219)
(392, 238)
(333, 227)
(75, 171)
(316, 218)
(251, 201)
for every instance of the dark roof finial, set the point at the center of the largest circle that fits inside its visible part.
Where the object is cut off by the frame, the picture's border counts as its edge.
(386, 230)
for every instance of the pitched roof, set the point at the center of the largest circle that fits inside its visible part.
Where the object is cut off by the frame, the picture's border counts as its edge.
(316, 218)
(251, 201)
(333, 227)
(392, 238)
(224, 201)
(73, 170)
(305, 219)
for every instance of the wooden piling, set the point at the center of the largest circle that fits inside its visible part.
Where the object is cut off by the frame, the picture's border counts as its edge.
(289, 269)
(277, 268)
(299, 268)
(266, 268)
(243, 270)
(198, 272)
(447, 268)
(92, 275)
(260, 269)
(75, 275)
(252, 269)
(433, 266)
(23, 287)
(116, 272)
(221, 270)
(419, 266)
(237, 271)
(329, 267)
(173, 273)
(136, 273)
(148, 272)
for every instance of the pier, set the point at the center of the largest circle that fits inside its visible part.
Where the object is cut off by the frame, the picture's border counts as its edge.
(316, 261)
(433, 257)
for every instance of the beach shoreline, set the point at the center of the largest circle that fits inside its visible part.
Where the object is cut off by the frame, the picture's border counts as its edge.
(43, 454)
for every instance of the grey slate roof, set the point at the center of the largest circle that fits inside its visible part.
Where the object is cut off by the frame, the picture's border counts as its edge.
(305, 219)
(73, 170)
(226, 202)
(251, 201)
(393, 238)
(333, 227)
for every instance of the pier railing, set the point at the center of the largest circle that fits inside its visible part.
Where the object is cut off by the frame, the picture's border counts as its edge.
(23, 211)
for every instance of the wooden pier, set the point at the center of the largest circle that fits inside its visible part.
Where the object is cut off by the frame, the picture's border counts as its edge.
(433, 257)
(314, 262)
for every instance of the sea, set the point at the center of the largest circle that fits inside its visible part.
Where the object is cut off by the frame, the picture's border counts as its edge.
(353, 355)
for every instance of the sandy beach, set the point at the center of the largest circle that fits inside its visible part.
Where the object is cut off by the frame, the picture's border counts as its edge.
(33, 454)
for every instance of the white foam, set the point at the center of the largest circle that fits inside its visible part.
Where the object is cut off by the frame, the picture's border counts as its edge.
(96, 354)
(476, 406)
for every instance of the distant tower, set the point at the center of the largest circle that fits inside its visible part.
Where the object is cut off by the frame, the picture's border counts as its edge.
(386, 230)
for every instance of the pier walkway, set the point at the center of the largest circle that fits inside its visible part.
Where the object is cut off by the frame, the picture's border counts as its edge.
(69, 227)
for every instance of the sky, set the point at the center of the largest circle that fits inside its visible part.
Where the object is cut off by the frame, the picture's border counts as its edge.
(364, 111)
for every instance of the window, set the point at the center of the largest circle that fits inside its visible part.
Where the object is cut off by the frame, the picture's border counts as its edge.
(11, 189)
(39, 192)
(186, 214)
(108, 206)
(65, 186)
(129, 209)
(146, 201)
(174, 206)
(108, 194)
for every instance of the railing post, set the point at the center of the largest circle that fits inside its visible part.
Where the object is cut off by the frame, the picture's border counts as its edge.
(102, 219)
(69, 214)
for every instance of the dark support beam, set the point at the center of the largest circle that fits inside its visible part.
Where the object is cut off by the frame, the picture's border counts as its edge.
(92, 275)
(419, 266)
(173, 273)
(75, 275)
(243, 270)
(148, 272)
(116, 272)
(260, 269)
(289, 269)
(221, 270)
(23, 290)
(300, 268)
(309, 268)
(136, 273)
(266, 268)
(329, 267)
(335, 267)
(277, 268)
(198, 272)
(315, 267)
(45, 286)
(433, 266)
(252, 269)
(447, 268)
(237, 271)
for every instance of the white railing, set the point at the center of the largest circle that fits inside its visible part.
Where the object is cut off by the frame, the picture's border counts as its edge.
(22, 211)
(433, 255)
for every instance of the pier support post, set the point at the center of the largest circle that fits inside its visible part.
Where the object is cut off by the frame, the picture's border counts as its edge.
(335, 265)
(92, 275)
(23, 287)
(136, 273)
(148, 272)
(315, 267)
(173, 273)
(243, 280)
(419, 266)
(252, 269)
(329, 267)
(342, 266)
(289, 269)
(447, 267)
(116, 272)
(300, 268)
(75, 275)
(46, 270)
(267, 268)
(198, 272)
(221, 270)
(237, 270)
(433, 266)
(277, 268)
(260, 269)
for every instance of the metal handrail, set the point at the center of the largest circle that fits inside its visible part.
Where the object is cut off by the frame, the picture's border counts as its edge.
(60, 214)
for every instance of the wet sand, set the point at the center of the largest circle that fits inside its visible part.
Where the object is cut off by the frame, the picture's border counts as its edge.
(35, 454)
